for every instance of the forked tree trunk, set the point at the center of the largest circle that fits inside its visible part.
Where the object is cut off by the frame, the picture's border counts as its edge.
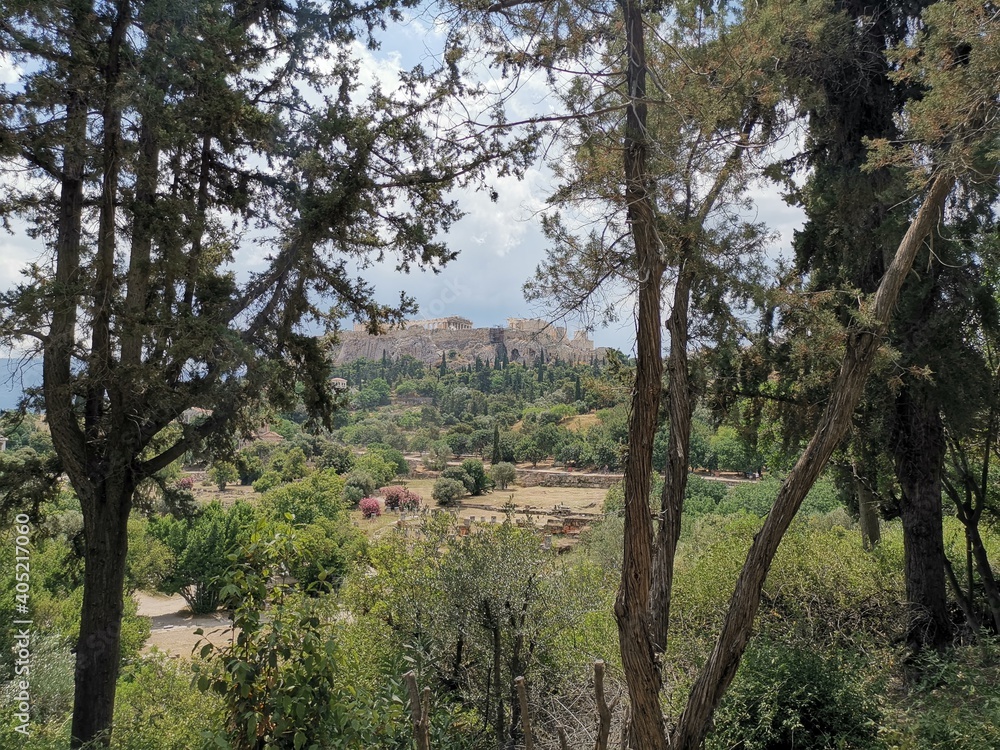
(862, 345)
(642, 673)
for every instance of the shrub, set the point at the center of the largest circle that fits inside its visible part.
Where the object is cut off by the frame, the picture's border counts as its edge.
(474, 469)
(398, 497)
(459, 474)
(294, 466)
(786, 697)
(374, 465)
(223, 473)
(329, 549)
(359, 485)
(250, 466)
(155, 707)
(201, 547)
(370, 507)
(438, 453)
(352, 495)
(268, 481)
(338, 457)
(317, 496)
(503, 474)
(392, 456)
(186, 484)
(448, 491)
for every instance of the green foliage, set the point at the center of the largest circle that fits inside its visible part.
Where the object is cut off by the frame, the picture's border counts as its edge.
(50, 679)
(148, 558)
(392, 456)
(223, 473)
(201, 548)
(249, 465)
(277, 679)
(756, 498)
(448, 492)
(357, 485)
(438, 453)
(267, 481)
(375, 393)
(294, 465)
(490, 605)
(728, 451)
(787, 697)
(157, 709)
(479, 483)
(503, 474)
(337, 457)
(329, 548)
(953, 705)
(317, 496)
(375, 466)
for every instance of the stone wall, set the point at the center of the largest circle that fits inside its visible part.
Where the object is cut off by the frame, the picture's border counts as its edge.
(549, 478)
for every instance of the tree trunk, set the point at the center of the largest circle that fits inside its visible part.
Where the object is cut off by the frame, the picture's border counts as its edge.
(679, 408)
(98, 649)
(871, 532)
(919, 451)
(642, 673)
(862, 345)
(982, 559)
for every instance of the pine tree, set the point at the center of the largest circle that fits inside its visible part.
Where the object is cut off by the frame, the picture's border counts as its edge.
(495, 456)
(138, 132)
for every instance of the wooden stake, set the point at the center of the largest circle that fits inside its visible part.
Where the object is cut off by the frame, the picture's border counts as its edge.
(522, 697)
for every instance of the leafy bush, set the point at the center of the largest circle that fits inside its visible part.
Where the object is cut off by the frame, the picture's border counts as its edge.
(280, 676)
(155, 707)
(448, 491)
(148, 559)
(294, 466)
(954, 706)
(185, 483)
(478, 481)
(357, 486)
(503, 474)
(317, 496)
(786, 697)
(223, 473)
(201, 547)
(398, 497)
(329, 550)
(375, 466)
(268, 481)
(438, 453)
(370, 507)
(337, 457)
(392, 456)
(459, 474)
(250, 466)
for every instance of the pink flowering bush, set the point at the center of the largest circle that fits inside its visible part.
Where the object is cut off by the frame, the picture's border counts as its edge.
(398, 497)
(185, 483)
(370, 507)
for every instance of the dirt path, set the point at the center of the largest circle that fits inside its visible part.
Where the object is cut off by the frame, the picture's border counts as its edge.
(172, 624)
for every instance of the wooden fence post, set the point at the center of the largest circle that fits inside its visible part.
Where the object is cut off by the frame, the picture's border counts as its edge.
(419, 711)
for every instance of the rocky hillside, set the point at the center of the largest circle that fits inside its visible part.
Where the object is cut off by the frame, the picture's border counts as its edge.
(486, 343)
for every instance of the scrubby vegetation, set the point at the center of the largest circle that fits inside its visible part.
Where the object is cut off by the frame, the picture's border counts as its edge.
(346, 618)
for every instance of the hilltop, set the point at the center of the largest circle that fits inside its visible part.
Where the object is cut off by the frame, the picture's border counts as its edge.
(522, 340)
